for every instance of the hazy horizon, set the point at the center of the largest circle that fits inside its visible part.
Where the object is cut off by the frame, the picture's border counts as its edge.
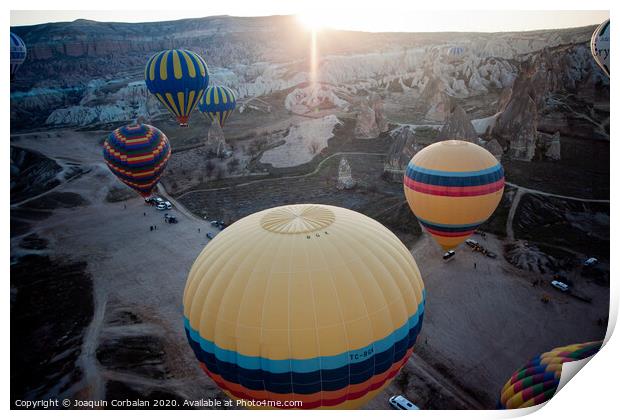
(358, 20)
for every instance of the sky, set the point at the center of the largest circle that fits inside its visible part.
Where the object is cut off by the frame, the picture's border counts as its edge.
(321, 15)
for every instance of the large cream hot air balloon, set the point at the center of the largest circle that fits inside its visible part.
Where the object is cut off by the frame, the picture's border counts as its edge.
(453, 187)
(309, 303)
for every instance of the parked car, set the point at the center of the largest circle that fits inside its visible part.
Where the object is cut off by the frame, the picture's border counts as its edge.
(210, 235)
(559, 285)
(161, 206)
(471, 242)
(399, 402)
(491, 254)
(590, 262)
(168, 204)
(448, 255)
(150, 200)
(214, 223)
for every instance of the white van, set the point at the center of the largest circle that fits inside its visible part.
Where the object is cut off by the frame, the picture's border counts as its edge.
(399, 402)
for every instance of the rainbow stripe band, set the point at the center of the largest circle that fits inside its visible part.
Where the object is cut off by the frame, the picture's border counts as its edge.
(318, 399)
(419, 176)
(307, 376)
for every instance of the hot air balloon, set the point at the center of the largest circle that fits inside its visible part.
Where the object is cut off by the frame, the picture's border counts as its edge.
(178, 79)
(537, 381)
(137, 154)
(18, 53)
(218, 103)
(455, 51)
(599, 45)
(306, 302)
(453, 187)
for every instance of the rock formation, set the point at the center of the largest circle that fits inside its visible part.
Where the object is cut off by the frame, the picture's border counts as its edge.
(312, 99)
(404, 147)
(345, 180)
(494, 148)
(552, 146)
(458, 126)
(370, 120)
(216, 143)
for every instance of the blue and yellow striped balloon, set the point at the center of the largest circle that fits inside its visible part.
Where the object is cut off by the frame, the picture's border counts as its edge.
(18, 53)
(178, 79)
(218, 103)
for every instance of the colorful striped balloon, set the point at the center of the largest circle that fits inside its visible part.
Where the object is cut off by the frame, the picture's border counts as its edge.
(537, 381)
(137, 154)
(218, 103)
(307, 302)
(178, 79)
(18, 53)
(453, 187)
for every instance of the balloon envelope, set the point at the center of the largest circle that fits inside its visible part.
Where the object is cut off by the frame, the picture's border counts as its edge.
(599, 45)
(456, 51)
(453, 187)
(178, 79)
(18, 53)
(537, 381)
(218, 103)
(137, 154)
(309, 303)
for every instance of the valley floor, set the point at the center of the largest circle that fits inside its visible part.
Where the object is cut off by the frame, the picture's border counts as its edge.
(481, 323)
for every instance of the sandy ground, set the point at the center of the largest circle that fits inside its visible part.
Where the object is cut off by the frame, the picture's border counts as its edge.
(483, 323)
(132, 267)
(480, 323)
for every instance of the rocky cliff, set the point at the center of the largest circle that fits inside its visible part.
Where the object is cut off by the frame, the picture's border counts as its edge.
(84, 72)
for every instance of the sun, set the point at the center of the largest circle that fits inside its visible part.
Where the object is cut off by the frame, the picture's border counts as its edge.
(311, 20)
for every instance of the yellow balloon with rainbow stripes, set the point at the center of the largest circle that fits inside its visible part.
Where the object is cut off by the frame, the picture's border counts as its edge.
(453, 187)
(303, 306)
(178, 79)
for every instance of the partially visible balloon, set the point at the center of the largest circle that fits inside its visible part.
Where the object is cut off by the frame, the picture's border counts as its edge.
(453, 187)
(537, 381)
(218, 103)
(178, 79)
(137, 154)
(599, 45)
(456, 51)
(18, 53)
(310, 303)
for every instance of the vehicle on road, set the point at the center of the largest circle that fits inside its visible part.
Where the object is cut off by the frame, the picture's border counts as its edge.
(210, 235)
(449, 255)
(590, 262)
(559, 285)
(472, 243)
(399, 402)
(168, 218)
